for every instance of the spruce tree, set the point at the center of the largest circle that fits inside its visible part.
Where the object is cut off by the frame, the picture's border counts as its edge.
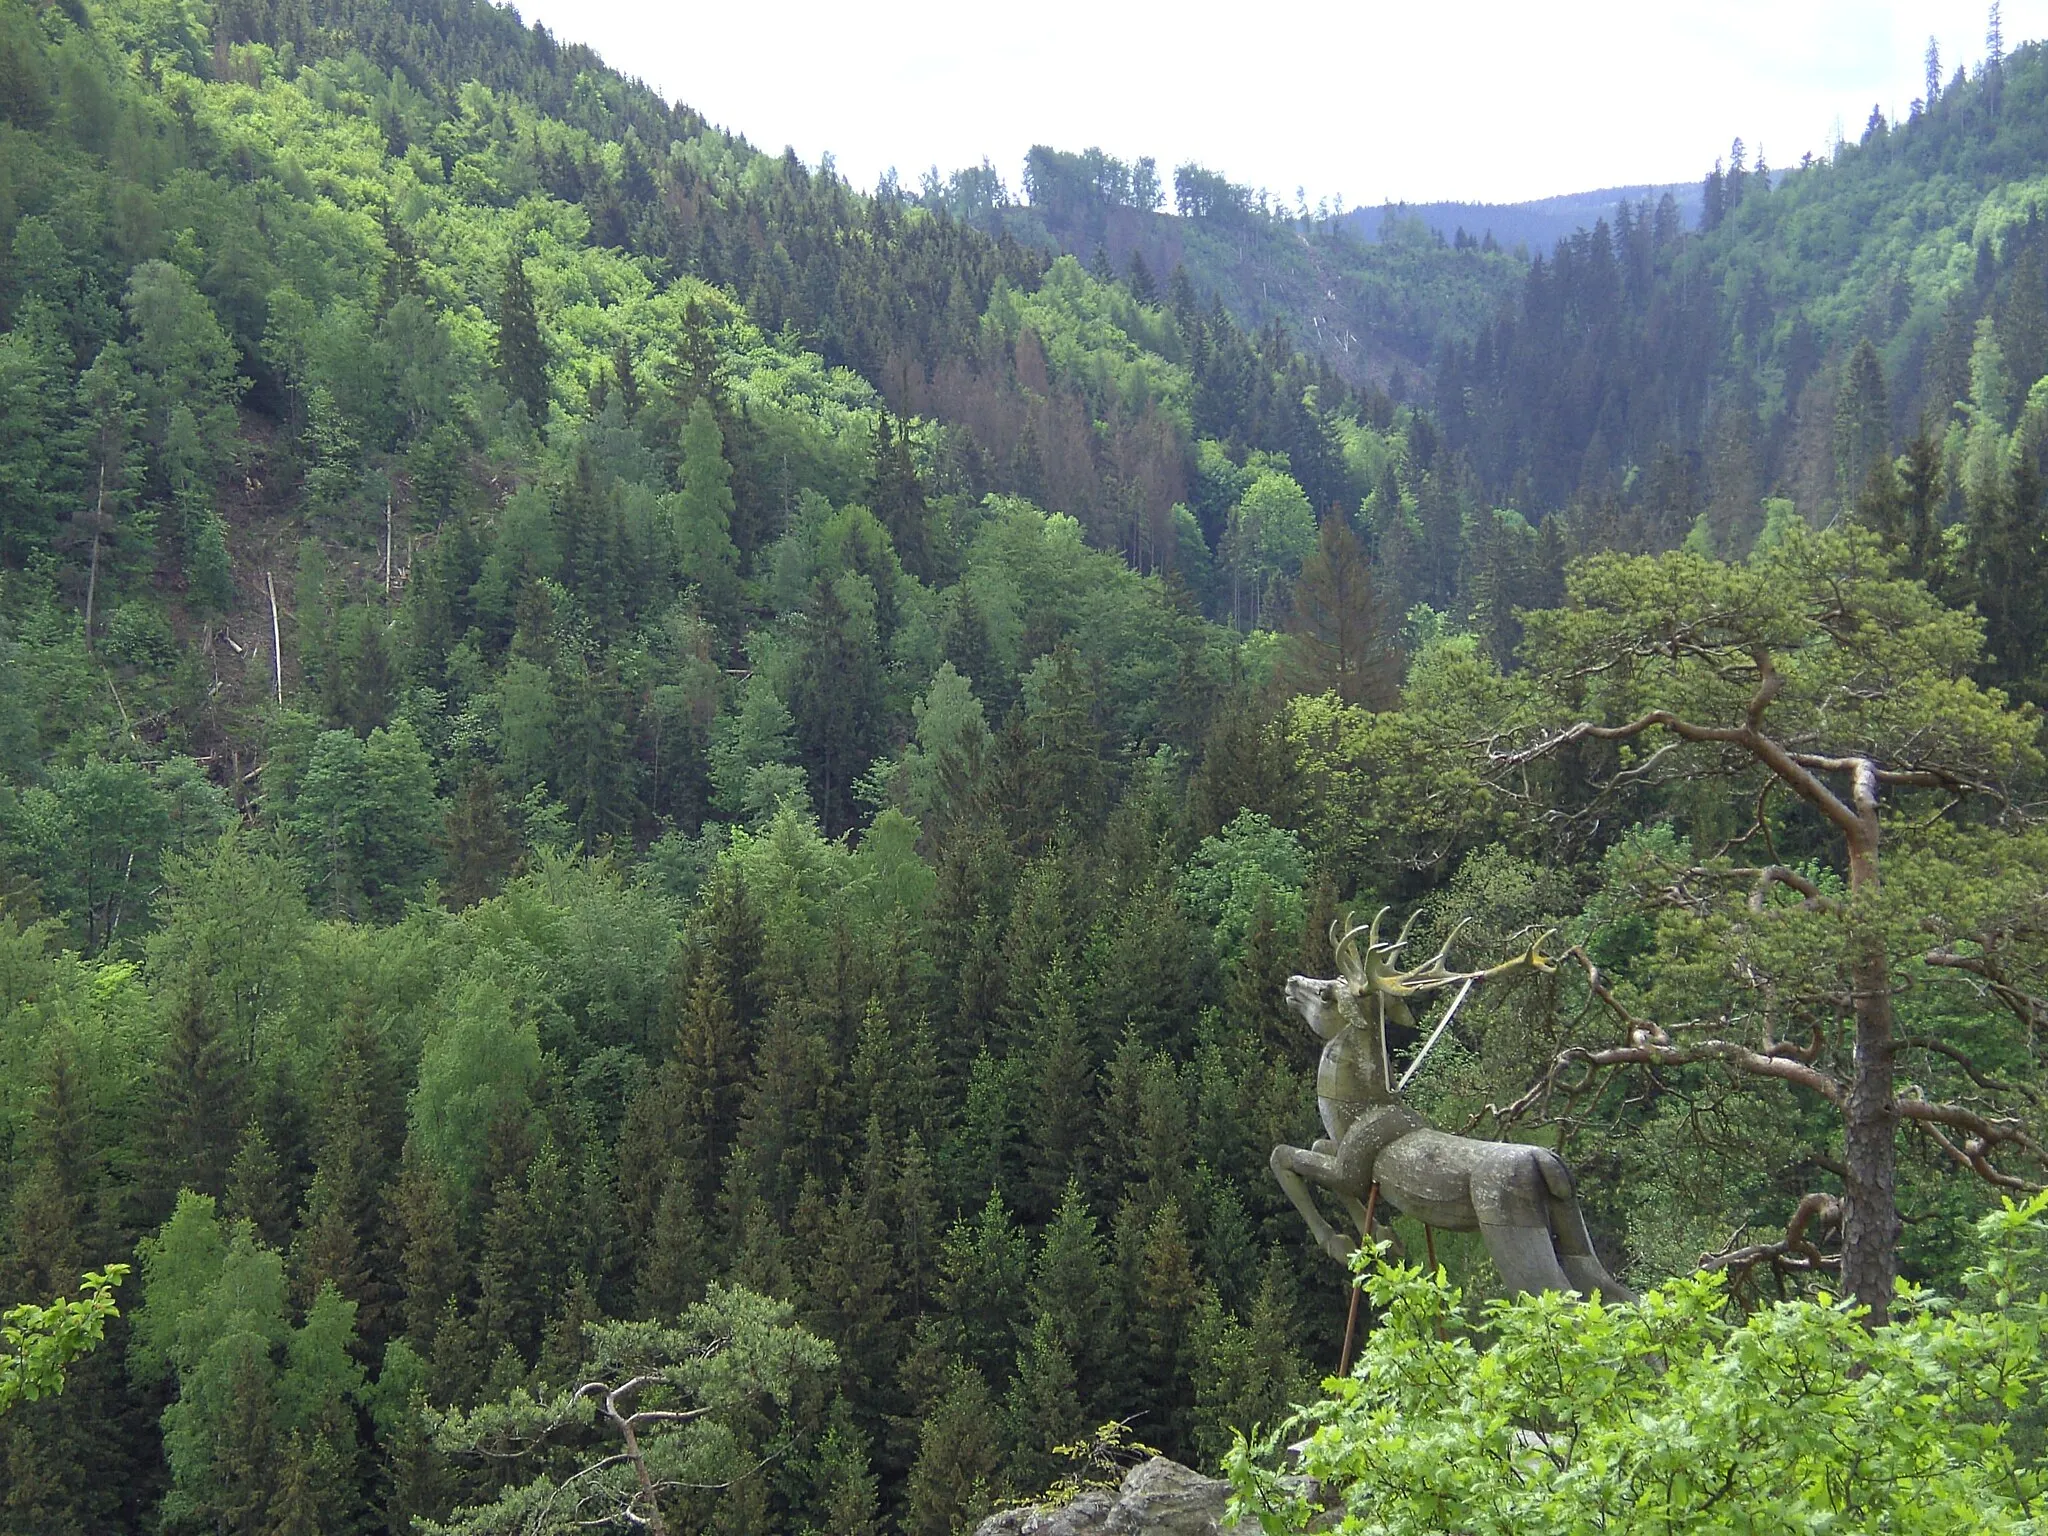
(1164, 1292)
(432, 1269)
(522, 355)
(955, 1480)
(916, 1227)
(1143, 288)
(478, 846)
(676, 1261)
(1043, 1409)
(1059, 1130)
(896, 497)
(1863, 425)
(837, 700)
(200, 1093)
(1069, 1296)
(624, 379)
(701, 518)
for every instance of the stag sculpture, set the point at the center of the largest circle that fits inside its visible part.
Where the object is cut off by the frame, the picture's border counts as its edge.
(1518, 1198)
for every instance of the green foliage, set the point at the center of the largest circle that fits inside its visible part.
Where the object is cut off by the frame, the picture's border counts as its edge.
(40, 1341)
(656, 1419)
(1250, 870)
(806, 636)
(1665, 1416)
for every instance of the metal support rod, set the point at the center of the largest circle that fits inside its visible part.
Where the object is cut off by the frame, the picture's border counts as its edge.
(1372, 1198)
(1435, 1035)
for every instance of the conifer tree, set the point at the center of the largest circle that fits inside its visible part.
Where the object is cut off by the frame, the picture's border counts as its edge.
(836, 698)
(478, 846)
(522, 355)
(431, 1261)
(53, 1224)
(897, 498)
(1862, 421)
(200, 1093)
(1070, 1296)
(850, 1492)
(1143, 288)
(701, 518)
(1062, 1087)
(2009, 552)
(676, 1263)
(1165, 1292)
(917, 1230)
(624, 379)
(1043, 1409)
(849, 1286)
(955, 1479)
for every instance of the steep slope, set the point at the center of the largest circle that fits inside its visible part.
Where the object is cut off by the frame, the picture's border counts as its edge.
(1731, 350)
(1372, 311)
(1534, 226)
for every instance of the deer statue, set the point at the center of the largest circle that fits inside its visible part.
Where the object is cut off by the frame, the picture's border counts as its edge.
(1518, 1198)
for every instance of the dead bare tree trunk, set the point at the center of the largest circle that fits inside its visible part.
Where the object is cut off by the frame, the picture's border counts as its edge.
(276, 637)
(92, 577)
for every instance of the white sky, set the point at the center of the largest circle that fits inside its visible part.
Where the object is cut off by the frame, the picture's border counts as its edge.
(1489, 100)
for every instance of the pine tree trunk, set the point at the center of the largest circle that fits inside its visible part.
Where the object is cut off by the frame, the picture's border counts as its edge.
(1870, 1224)
(1870, 1211)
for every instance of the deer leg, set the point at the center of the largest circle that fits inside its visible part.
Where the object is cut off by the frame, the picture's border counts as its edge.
(1575, 1252)
(1295, 1169)
(1525, 1257)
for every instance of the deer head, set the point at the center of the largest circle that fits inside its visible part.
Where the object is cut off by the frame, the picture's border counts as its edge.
(1370, 988)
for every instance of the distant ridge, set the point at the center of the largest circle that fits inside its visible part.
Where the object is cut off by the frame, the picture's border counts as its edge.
(1537, 225)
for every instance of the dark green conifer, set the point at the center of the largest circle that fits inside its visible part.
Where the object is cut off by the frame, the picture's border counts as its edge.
(522, 355)
(955, 1479)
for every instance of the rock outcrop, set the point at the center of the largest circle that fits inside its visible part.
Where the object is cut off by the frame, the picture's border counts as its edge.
(1158, 1498)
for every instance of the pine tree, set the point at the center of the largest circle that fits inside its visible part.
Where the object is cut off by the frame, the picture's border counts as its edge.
(1862, 421)
(1061, 1085)
(1043, 1410)
(522, 355)
(701, 516)
(478, 846)
(1143, 288)
(955, 1480)
(1070, 1296)
(897, 498)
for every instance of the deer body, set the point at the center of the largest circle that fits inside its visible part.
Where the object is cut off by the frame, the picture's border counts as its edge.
(1518, 1198)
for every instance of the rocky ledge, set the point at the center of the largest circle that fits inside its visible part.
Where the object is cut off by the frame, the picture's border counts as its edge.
(1158, 1498)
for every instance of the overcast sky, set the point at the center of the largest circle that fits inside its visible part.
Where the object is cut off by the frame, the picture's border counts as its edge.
(1487, 101)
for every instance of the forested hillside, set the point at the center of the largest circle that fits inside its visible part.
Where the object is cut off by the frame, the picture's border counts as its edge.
(1375, 308)
(611, 751)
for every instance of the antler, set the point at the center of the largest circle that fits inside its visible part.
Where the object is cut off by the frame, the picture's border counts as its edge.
(1357, 969)
(1372, 969)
